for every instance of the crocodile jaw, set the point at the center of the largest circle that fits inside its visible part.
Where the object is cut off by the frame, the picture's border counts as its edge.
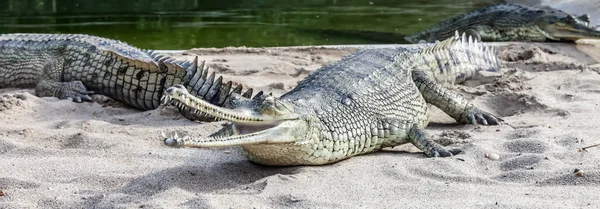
(290, 131)
(241, 115)
(571, 32)
(247, 127)
(575, 34)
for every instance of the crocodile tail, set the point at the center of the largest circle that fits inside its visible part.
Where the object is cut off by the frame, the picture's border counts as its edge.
(214, 90)
(457, 59)
(202, 84)
(155, 77)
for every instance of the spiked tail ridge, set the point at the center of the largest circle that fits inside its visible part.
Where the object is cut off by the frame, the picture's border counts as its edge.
(200, 83)
(215, 91)
(457, 59)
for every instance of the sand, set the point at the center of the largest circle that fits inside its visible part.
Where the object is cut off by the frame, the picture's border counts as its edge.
(61, 154)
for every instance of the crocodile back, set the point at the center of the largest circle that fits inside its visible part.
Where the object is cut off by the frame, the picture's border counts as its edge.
(105, 66)
(500, 17)
(41, 42)
(454, 60)
(360, 90)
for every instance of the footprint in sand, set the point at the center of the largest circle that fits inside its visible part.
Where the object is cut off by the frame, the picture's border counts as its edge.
(9, 101)
(6, 146)
(81, 141)
(526, 146)
(12, 183)
(579, 85)
(536, 58)
(299, 72)
(524, 133)
(221, 68)
(507, 104)
(526, 161)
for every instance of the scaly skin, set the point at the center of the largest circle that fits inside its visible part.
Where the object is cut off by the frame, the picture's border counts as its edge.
(75, 65)
(372, 99)
(511, 22)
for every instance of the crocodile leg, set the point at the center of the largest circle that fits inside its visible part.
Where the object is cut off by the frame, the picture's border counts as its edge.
(451, 103)
(74, 90)
(484, 33)
(416, 136)
(50, 86)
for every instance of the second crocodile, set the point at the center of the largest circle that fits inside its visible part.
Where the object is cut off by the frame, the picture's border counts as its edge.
(512, 22)
(76, 65)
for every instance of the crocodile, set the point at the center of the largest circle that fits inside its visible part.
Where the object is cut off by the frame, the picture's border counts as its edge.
(366, 101)
(73, 66)
(512, 22)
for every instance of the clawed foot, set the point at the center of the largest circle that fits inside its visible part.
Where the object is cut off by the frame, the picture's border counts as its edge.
(476, 116)
(173, 140)
(75, 91)
(439, 151)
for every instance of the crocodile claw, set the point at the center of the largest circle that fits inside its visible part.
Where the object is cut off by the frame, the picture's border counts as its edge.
(443, 152)
(476, 116)
(173, 141)
(75, 91)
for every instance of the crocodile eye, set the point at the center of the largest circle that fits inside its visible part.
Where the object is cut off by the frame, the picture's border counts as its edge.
(584, 17)
(570, 19)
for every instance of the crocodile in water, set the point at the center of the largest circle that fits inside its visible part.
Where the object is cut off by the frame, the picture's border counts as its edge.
(512, 22)
(369, 100)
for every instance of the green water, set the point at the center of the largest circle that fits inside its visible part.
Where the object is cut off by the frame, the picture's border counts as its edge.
(184, 24)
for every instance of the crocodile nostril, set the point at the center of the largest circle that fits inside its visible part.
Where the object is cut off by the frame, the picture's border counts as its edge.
(170, 90)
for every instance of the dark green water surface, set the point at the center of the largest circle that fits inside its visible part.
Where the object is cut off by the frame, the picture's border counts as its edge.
(184, 24)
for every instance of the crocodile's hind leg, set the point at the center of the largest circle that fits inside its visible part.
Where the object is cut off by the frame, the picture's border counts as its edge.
(397, 131)
(51, 86)
(416, 136)
(451, 103)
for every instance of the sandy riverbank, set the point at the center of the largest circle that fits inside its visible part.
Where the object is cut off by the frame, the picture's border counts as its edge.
(104, 155)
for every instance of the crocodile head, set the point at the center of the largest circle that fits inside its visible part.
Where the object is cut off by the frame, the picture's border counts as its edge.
(262, 119)
(562, 26)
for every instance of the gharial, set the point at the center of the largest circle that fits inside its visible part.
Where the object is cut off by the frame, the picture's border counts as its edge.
(512, 22)
(77, 65)
(369, 100)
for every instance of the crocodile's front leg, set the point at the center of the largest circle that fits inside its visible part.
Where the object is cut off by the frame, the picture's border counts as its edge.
(51, 86)
(451, 103)
(74, 90)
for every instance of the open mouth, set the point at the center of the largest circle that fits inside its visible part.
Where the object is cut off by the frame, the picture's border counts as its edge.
(588, 32)
(248, 128)
(184, 99)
